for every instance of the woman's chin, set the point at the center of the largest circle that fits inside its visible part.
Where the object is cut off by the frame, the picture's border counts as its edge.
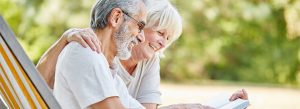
(143, 52)
(142, 56)
(149, 55)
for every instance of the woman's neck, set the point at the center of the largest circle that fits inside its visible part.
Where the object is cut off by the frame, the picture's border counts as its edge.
(129, 64)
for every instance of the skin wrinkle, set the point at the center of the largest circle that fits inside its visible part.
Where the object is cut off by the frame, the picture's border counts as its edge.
(123, 41)
(122, 47)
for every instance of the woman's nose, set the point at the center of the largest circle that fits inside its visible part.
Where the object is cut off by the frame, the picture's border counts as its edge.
(162, 43)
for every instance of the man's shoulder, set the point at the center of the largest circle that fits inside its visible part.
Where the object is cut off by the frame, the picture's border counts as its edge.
(74, 49)
(78, 62)
(76, 55)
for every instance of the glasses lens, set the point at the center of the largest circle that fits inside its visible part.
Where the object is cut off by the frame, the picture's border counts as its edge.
(141, 25)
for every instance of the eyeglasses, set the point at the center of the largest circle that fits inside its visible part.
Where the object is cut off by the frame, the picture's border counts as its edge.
(141, 24)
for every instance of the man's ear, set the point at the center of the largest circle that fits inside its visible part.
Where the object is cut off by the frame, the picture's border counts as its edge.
(116, 17)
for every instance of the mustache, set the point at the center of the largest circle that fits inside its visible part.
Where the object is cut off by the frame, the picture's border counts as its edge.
(135, 41)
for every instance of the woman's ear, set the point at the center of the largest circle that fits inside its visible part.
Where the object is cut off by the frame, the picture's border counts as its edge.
(116, 17)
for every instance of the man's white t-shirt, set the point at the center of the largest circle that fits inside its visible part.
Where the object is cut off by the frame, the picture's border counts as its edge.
(83, 78)
(144, 83)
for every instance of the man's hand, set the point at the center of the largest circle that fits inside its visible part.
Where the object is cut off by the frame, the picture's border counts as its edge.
(86, 37)
(242, 94)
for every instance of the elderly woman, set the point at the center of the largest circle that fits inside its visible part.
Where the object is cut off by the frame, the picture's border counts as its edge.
(141, 71)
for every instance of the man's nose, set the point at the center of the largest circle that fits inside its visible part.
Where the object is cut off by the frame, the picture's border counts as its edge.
(141, 37)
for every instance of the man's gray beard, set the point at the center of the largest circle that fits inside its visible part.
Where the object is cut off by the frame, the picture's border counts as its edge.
(122, 42)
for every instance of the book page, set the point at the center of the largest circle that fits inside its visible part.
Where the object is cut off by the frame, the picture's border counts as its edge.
(236, 104)
(218, 101)
(222, 102)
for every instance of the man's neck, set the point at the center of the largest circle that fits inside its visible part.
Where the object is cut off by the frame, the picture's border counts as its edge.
(108, 47)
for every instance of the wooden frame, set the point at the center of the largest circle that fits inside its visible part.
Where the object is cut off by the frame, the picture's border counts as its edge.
(19, 78)
(2, 105)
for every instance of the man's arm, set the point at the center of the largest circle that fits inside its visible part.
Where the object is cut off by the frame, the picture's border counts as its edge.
(108, 103)
(150, 105)
(47, 63)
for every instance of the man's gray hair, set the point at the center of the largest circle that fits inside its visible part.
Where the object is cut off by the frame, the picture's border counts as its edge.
(102, 9)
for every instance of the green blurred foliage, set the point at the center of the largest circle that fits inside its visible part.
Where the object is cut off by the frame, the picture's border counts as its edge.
(39, 23)
(237, 40)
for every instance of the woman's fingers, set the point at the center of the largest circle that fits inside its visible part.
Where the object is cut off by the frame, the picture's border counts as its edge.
(94, 39)
(97, 45)
(74, 35)
(233, 97)
(245, 94)
(242, 94)
(78, 38)
(88, 39)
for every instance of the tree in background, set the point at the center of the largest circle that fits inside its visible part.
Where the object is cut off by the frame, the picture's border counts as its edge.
(38, 23)
(237, 40)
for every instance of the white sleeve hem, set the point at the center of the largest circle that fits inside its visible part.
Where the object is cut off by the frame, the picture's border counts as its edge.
(88, 102)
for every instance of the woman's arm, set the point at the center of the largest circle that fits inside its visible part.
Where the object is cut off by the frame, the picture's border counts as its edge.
(47, 63)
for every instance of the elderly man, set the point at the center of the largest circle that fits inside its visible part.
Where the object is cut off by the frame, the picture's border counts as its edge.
(86, 79)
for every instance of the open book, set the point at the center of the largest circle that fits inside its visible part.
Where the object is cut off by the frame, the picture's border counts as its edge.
(222, 102)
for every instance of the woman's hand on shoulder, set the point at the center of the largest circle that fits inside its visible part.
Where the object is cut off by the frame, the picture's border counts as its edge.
(86, 37)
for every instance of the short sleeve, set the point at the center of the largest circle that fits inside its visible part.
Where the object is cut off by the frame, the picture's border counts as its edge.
(87, 75)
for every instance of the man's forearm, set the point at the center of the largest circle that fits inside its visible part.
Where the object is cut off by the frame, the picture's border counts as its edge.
(150, 105)
(108, 103)
(47, 63)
